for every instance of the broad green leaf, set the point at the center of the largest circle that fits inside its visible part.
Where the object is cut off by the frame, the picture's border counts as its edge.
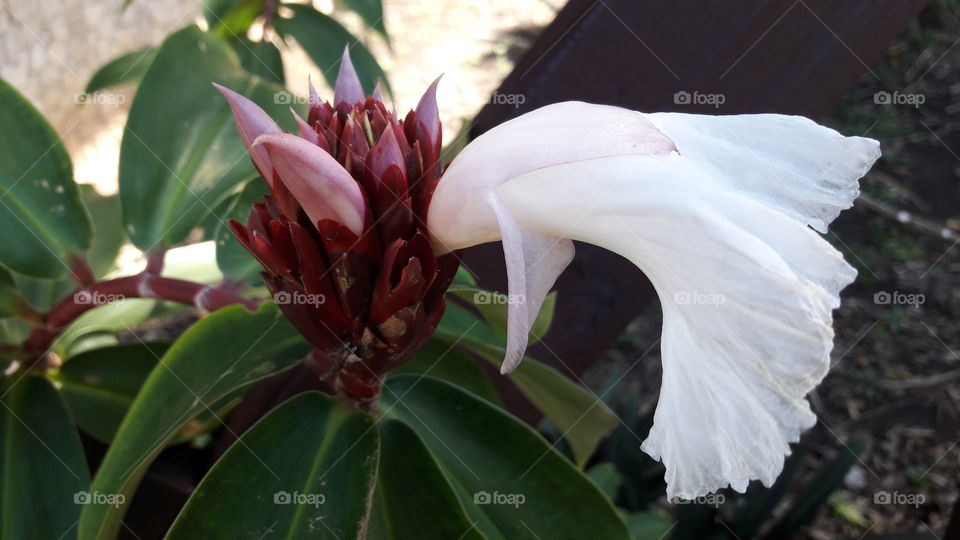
(413, 498)
(261, 58)
(323, 39)
(447, 362)
(108, 235)
(126, 69)
(233, 259)
(231, 18)
(42, 465)
(100, 385)
(510, 481)
(606, 477)
(371, 11)
(41, 215)
(648, 526)
(306, 470)
(10, 298)
(581, 417)
(229, 349)
(493, 306)
(181, 153)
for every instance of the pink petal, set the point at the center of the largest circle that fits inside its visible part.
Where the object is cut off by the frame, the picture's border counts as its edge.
(304, 129)
(377, 93)
(348, 88)
(314, 98)
(251, 123)
(428, 113)
(386, 153)
(321, 185)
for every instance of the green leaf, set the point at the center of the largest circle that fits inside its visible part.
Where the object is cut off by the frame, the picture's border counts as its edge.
(323, 39)
(402, 513)
(231, 18)
(100, 385)
(42, 464)
(181, 153)
(510, 481)
(371, 11)
(41, 215)
(229, 349)
(647, 525)
(606, 477)
(10, 298)
(233, 259)
(260, 58)
(307, 469)
(445, 361)
(108, 235)
(125, 69)
(581, 417)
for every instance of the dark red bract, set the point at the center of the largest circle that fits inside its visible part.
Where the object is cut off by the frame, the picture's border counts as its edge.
(365, 302)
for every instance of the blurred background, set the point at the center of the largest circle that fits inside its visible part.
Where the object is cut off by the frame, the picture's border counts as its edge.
(884, 458)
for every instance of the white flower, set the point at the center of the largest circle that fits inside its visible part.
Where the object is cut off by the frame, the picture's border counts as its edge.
(717, 212)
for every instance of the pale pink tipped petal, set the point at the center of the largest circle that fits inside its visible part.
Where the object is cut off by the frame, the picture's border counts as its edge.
(377, 93)
(304, 129)
(460, 214)
(348, 88)
(321, 185)
(386, 153)
(428, 113)
(314, 99)
(534, 262)
(252, 122)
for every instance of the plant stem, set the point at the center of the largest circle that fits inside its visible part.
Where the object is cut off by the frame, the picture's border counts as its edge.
(143, 285)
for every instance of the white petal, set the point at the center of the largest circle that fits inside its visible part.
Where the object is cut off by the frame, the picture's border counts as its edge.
(534, 262)
(746, 291)
(791, 163)
(460, 213)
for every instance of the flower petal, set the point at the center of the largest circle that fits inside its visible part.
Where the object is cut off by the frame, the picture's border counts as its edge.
(348, 88)
(320, 184)
(534, 262)
(252, 122)
(746, 292)
(460, 213)
(791, 163)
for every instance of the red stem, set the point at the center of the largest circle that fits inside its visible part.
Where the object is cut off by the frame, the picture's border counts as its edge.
(144, 285)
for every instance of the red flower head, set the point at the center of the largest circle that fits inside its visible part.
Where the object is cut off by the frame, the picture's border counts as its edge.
(342, 237)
